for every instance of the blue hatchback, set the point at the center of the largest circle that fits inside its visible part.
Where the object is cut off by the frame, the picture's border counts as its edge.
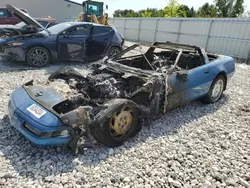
(70, 41)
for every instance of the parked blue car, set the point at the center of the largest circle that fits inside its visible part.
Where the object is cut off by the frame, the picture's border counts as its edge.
(70, 41)
(111, 102)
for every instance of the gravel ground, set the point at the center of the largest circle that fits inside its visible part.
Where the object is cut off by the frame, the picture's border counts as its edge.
(193, 146)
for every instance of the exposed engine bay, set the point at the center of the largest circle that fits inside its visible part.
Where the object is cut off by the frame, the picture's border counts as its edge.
(99, 87)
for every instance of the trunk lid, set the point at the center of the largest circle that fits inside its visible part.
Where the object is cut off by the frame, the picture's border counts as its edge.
(48, 95)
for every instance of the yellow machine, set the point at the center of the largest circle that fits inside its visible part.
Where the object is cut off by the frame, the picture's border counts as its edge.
(93, 11)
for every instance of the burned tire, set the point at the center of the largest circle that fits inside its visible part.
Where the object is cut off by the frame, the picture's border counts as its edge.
(38, 56)
(113, 51)
(216, 90)
(116, 124)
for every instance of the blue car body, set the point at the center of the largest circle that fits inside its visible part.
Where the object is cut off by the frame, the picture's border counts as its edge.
(69, 41)
(92, 44)
(197, 84)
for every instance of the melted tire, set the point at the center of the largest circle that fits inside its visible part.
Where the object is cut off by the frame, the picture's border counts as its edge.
(100, 129)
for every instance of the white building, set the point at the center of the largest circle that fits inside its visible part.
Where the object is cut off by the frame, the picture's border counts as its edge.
(61, 10)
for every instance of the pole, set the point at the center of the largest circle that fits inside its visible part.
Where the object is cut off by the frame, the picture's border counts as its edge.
(231, 8)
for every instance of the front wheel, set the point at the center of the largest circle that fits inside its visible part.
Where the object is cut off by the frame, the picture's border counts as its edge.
(216, 90)
(38, 56)
(113, 127)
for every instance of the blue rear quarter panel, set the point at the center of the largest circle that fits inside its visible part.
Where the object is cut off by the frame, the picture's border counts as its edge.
(223, 64)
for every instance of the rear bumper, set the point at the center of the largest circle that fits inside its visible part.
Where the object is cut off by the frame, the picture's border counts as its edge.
(13, 53)
(19, 117)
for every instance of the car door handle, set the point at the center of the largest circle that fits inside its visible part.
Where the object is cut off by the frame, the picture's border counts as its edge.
(206, 71)
(7, 20)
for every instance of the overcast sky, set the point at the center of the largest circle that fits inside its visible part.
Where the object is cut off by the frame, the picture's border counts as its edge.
(143, 4)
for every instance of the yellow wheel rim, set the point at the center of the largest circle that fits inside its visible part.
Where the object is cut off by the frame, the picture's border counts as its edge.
(121, 122)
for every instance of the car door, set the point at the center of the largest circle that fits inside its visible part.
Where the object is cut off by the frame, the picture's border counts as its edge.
(98, 41)
(175, 86)
(4, 16)
(71, 43)
(188, 85)
(13, 18)
(199, 81)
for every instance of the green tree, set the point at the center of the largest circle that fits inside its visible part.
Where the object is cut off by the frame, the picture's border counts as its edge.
(150, 12)
(191, 13)
(172, 9)
(207, 11)
(125, 13)
(238, 8)
(223, 7)
(183, 11)
(118, 13)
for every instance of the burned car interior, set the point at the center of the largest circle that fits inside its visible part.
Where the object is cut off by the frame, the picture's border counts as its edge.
(110, 81)
(161, 56)
(119, 77)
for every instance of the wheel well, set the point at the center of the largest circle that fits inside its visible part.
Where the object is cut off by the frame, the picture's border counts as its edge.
(222, 73)
(37, 46)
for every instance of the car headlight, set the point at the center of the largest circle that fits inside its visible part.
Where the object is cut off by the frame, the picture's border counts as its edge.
(15, 44)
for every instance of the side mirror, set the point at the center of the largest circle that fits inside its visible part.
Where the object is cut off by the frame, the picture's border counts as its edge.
(182, 76)
(83, 4)
(107, 7)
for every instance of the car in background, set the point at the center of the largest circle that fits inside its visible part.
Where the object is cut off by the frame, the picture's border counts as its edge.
(6, 17)
(69, 41)
(23, 28)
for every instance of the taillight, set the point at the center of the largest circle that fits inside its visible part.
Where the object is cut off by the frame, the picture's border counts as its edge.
(123, 38)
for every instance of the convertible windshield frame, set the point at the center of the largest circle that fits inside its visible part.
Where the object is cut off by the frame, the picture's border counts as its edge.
(159, 45)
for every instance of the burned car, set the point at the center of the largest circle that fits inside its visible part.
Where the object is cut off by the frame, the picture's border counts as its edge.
(116, 95)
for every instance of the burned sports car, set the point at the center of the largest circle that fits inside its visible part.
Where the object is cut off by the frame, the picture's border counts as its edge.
(112, 99)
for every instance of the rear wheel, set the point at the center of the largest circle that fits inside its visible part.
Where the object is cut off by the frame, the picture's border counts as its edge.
(38, 56)
(216, 90)
(121, 123)
(113, 51)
